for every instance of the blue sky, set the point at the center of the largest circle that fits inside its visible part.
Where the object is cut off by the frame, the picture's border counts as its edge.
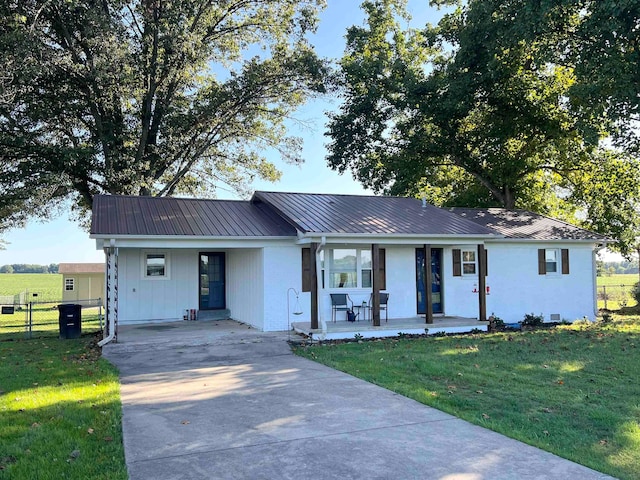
(61, 240)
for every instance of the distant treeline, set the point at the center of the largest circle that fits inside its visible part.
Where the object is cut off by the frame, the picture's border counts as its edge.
(614, 268)
(27, 268)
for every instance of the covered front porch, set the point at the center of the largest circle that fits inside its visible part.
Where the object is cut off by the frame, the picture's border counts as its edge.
(341, 330)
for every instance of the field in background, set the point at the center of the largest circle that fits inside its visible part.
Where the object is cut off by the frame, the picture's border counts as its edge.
(614, 291)
(46, 285)
(618, 279)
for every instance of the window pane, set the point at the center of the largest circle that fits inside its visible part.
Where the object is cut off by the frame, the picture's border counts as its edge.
(365, 259)
(469, 256)
(469, 268)
(155, 265)
(343, 268)
(344, 259)
(366, 278)
(551, 256)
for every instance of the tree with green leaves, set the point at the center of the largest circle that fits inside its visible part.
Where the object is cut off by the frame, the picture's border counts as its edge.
(147, 97)
(475, 111)
(605, 51)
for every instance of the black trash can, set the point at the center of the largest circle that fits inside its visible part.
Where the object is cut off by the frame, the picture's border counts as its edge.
(70, 320)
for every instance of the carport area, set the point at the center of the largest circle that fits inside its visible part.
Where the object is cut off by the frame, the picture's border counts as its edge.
(221, 400)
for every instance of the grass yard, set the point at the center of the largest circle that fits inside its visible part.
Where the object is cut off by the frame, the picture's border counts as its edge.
(572, 390)
(46, 285)
(60, 413)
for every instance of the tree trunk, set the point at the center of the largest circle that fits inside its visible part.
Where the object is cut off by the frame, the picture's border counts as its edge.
(508, 200)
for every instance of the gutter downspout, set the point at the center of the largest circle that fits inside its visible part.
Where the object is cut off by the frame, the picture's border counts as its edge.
(594, 269)
(323, 323)
(112, 276)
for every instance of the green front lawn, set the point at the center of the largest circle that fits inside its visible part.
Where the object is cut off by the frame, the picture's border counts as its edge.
(573, 391)
(60, 414)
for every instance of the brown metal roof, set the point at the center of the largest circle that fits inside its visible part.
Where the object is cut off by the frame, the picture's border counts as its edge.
(526, 225)
(355, 214)
(164, 216)
(81, 268)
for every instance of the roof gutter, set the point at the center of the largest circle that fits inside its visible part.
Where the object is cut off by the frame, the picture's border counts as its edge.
(395, 239)
(548, 240)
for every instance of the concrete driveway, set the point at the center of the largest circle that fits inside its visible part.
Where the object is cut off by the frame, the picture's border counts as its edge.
(209, 400)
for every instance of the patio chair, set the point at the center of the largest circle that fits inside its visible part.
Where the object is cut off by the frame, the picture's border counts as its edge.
(340, 303)
(384, 301)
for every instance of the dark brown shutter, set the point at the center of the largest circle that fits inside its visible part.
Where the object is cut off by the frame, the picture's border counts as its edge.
(383, 269)
(486, 263)
(565, 261)
(457, 262)
(542, 262)
(306, 269)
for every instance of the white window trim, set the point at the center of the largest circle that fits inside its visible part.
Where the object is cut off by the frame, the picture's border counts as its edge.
(167, 265)
(475, 262)
(73, 284)
(558, 271)
(327, 268)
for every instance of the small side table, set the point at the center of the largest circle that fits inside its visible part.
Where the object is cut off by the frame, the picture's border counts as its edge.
(361, 309)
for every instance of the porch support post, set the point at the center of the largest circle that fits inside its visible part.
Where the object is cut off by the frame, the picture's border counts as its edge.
(482, 284)
(377, 280)
(313, 273)
(428, 295)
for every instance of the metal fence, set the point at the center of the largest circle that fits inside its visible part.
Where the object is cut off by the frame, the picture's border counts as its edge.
(17, 299)
(615, 297)
(41, 318)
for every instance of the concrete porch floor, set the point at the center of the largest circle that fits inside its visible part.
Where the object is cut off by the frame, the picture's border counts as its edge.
(341, 330)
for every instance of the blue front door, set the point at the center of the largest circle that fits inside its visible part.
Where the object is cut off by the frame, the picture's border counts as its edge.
(212, 275)
(436, 276)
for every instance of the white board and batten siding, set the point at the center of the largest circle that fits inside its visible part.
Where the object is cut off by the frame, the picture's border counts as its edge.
(283, 270)
(256, 284)
(146, 299)
(245, 284)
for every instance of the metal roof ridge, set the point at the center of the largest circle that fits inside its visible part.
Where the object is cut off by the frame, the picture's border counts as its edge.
(191, 199)
(335, 194)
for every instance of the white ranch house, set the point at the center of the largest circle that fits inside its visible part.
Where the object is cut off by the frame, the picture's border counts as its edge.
(245, 260)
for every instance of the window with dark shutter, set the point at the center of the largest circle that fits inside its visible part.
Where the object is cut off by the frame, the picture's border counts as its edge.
(457, 262)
